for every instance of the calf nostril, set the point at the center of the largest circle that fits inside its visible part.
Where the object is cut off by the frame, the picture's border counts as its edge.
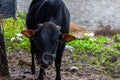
(50, 63)
(47, 63)
(47, 59)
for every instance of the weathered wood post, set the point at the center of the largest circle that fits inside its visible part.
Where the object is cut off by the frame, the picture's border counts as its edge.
(3, 58)
(7, 10)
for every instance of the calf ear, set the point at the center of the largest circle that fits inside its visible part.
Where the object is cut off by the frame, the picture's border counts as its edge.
(28, 33)
(67, 37)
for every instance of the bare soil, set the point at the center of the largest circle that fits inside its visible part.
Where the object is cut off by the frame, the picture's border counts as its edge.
(19, 66)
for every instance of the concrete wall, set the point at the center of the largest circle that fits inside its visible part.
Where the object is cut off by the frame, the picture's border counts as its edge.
(7, 8)
(90, 12)
(22, 5)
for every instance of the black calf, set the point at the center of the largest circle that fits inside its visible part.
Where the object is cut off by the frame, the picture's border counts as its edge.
(48, 24)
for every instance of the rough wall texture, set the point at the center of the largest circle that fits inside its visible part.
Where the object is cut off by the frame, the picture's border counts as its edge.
(7, 8)
(22, 5)
(91, 13)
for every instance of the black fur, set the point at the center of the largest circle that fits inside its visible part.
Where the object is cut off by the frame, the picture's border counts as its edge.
(41, 11)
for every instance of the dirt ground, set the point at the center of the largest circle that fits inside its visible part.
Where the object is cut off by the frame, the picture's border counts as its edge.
(19, 66)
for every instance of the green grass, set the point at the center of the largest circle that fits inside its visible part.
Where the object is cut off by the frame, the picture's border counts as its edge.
(13, 27)
(99, 52)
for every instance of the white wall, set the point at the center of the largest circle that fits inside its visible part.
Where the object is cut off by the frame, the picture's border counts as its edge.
(22, 5)
(92, 12)
(89, 12)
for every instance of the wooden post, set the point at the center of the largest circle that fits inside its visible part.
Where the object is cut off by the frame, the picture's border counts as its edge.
(7, 10)
(4, 71)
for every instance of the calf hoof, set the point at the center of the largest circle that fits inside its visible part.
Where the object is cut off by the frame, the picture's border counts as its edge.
(40, 78)
(33, 72)
(58, 78)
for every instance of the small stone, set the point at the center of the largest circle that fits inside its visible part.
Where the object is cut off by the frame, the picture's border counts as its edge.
(73, 69)
(69, 48)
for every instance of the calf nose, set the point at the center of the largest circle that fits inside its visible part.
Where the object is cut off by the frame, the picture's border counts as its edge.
(47, 62)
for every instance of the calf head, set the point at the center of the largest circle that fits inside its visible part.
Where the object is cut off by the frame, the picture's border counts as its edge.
(47, 38)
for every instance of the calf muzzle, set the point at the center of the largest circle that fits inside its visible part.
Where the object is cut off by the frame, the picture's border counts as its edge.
(46, 61)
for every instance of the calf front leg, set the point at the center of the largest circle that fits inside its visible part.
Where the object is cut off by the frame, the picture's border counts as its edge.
(32, 55)
(58, 76)
(58, 62)
(33, 65)
(41, 74)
